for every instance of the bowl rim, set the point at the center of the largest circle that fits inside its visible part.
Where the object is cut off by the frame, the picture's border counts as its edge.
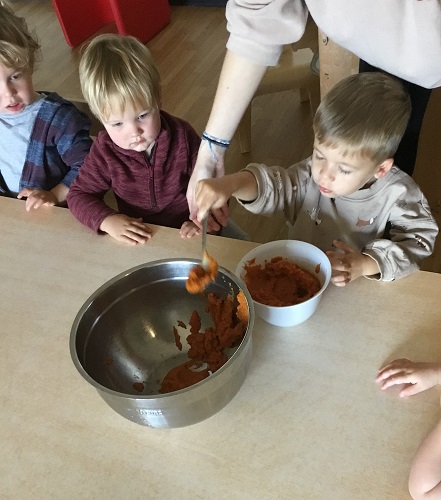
(276, 243)
(72, 339)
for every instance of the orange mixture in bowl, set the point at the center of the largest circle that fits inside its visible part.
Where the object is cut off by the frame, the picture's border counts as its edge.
(198, 277)
(206, 351)
(279, 282)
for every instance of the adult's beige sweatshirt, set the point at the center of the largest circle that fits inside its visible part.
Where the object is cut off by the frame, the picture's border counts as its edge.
(402, 37)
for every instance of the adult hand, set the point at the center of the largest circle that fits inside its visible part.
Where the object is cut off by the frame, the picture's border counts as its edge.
(207, 167)
(35, 198)
(126, 229)
(417, 377)
(349, 264)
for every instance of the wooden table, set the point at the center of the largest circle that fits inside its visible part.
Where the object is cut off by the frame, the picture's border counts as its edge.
(308, 423)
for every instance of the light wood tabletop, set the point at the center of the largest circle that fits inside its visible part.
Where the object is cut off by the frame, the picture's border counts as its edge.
(308, 423)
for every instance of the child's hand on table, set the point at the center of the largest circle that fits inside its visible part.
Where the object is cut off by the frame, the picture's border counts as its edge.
(126, 229)
(349, 264)
(189, 229)
(36, 198)
(417, 377)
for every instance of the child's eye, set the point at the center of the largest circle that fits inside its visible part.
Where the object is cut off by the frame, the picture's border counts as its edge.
(144, 115)
(118, 124)
(343, 171)
(16, 76)
(318, 156)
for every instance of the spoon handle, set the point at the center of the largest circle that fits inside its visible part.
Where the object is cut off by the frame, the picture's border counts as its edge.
(205, 262)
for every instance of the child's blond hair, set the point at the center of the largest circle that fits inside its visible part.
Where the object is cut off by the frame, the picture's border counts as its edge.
(116, 71)
(366, 114)
(19, 48)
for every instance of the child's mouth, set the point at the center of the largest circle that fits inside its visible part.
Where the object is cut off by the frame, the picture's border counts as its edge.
(18, 106)
(324, 190)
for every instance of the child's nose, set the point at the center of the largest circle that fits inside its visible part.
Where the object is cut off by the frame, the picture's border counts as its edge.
(326, 174)
(137, 130)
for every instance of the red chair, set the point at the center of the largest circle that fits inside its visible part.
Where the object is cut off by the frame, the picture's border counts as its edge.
(141, 18)
(80, 20)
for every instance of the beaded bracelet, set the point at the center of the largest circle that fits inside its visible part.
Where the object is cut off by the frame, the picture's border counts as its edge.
(211, 139)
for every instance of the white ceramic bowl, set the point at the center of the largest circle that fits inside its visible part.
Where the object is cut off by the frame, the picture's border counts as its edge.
(306, 256)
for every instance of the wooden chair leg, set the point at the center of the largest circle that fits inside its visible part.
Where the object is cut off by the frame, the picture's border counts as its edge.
(314, 96)
(304, 94)
(291, 73)
(244, 130)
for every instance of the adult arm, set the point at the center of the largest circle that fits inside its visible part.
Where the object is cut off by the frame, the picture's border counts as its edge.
(238, 82)
(258, 31)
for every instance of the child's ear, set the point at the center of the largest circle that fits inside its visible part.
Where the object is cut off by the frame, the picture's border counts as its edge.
(384, 168)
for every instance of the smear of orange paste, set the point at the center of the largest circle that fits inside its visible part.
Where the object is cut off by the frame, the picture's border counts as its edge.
(176, 335)
(279, 282)
(198, 277)
(206, 351)
(242, 308)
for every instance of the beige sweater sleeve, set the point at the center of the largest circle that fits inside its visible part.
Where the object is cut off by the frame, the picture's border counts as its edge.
(259, 29)
(411, 238)
(402, 37)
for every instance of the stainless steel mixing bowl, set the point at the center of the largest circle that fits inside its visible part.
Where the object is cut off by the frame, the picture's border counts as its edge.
(123, 335)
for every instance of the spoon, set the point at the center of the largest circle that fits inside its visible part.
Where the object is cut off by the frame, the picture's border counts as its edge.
(205, 261)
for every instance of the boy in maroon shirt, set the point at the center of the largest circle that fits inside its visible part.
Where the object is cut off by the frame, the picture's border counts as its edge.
(145, 156)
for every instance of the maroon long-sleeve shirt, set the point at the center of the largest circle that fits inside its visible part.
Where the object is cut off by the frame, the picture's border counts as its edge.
(152, 188)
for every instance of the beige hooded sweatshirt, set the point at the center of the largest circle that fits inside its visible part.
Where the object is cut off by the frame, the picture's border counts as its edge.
(402, 37)
(390, 221)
